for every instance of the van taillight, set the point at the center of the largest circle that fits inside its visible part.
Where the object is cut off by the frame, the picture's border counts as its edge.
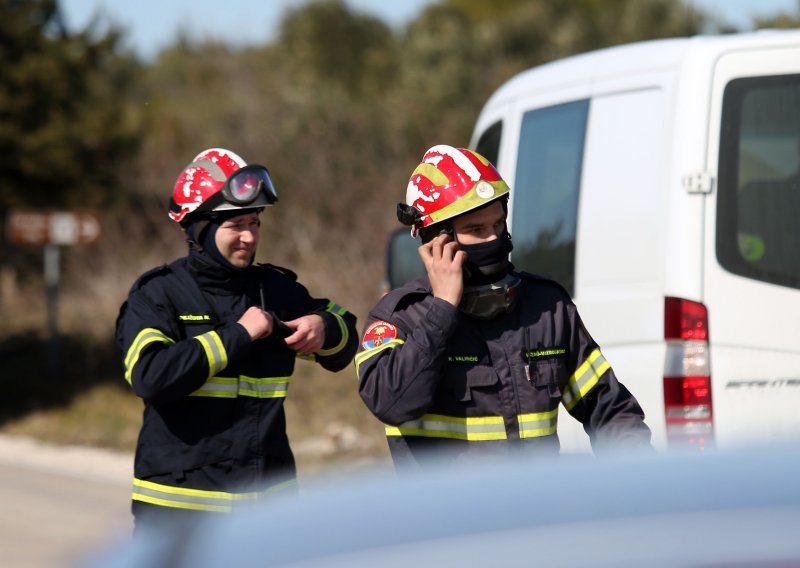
(687, 377)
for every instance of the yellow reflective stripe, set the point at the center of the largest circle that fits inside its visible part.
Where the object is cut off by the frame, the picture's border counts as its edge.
(538, 424)
(145, 337)
(337, 312)
(364, 355)
(472, 428)
(584, 378)
(196, 499)
(231, 387)
(215, 352)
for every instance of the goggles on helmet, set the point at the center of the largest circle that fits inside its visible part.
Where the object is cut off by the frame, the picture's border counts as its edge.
(245, 185)
(249, 186)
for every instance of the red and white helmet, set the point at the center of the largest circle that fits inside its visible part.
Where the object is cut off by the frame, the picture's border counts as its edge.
(218, 180)
(448, 182)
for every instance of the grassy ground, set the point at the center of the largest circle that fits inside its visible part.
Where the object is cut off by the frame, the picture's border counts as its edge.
(71, 390)
(87, 402)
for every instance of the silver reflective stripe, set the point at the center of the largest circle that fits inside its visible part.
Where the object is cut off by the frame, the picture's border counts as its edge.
(274, 387)
(145, 337)
(219, 387)
(364, 355)
(335, 309)
(584, 378)
(211, 167)
(215, 352)
(196, 499)
(538, 424)
(472, 428)
(231, 387)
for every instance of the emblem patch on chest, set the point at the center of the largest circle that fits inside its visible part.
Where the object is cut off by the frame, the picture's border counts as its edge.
(378, 333)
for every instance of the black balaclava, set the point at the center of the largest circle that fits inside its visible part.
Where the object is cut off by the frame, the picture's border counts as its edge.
(202, 238)
(490, 286)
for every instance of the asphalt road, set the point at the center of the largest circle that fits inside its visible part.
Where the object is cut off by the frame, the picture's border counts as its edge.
(60, 506)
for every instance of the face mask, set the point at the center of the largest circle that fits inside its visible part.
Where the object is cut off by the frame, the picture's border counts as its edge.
(490, 300)
(487, 261)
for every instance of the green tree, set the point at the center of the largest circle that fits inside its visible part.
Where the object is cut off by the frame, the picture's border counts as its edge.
(442, 79)
(331, 46)
(64, 125)
(531, 33)
(779, 21)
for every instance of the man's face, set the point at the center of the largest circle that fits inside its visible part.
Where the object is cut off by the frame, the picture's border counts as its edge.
(480, 226)
(237, 239)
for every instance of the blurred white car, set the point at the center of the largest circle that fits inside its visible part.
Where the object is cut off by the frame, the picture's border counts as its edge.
(737, 509)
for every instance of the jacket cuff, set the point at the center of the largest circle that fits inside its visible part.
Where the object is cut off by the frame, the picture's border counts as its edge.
(443, 315)
(333, 329)
(236, 340)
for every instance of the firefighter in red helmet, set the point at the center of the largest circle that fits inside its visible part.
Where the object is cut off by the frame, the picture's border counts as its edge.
(475, 358)
(209, 343)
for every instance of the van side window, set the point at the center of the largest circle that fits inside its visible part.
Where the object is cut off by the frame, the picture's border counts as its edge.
(758, 233)
(546, 186)
(488, 144)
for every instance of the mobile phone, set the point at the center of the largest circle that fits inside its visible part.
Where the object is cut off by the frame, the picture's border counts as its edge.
(279, 328)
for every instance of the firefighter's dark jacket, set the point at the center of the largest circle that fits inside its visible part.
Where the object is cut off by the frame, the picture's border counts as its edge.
(214, 421)
(443, 381)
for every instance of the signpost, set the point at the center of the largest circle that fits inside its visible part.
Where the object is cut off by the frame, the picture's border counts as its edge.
(52, 229)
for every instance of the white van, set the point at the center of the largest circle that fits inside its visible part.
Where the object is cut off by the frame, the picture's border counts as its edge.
(659, 183)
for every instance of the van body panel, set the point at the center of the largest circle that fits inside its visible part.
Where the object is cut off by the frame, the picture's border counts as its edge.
(756, 393)
(622, 195)
(654, 117)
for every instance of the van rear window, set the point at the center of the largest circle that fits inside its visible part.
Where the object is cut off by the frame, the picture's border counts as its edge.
(758, 209)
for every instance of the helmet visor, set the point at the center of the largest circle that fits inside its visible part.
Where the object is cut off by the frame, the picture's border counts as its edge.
(247, 184)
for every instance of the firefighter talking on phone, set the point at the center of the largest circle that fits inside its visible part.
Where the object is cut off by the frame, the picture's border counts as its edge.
(474, 359)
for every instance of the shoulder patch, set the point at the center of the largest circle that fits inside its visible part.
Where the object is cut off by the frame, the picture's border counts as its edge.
(378, 333)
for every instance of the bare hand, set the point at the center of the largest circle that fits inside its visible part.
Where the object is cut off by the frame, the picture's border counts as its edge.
(309, 334)
(444, 263)
(257, 322)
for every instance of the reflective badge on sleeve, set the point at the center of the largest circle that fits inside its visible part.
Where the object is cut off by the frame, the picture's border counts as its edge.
(378, 333)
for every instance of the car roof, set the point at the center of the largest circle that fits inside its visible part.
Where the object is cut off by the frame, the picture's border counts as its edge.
(739, 508)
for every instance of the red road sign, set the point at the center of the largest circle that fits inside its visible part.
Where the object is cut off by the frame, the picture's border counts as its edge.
(52, 227)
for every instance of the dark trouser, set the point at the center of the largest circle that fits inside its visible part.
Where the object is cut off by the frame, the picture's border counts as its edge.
(155, 518)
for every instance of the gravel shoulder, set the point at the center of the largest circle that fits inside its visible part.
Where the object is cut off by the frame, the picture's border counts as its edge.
(92, 463)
